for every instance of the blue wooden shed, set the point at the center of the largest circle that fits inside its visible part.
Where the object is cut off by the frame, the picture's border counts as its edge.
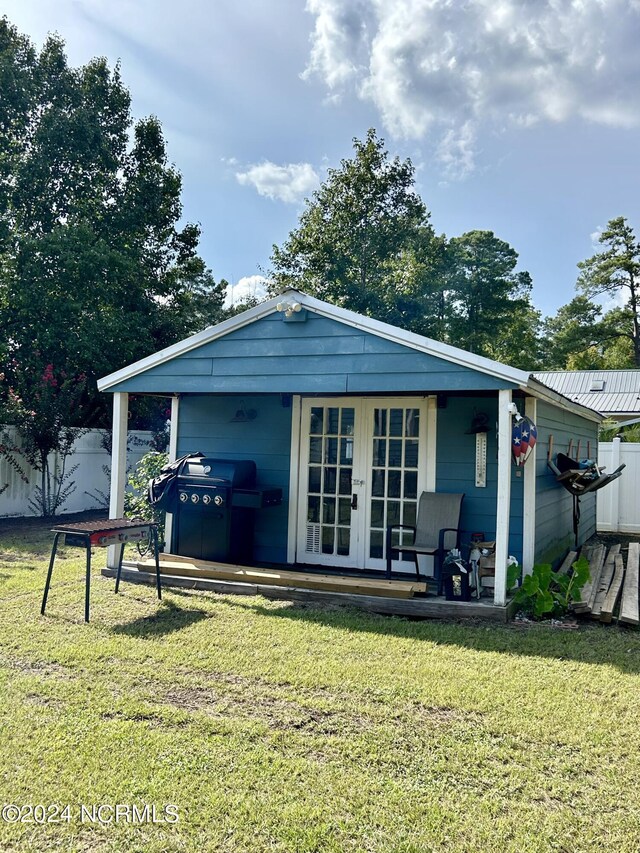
(335, 405)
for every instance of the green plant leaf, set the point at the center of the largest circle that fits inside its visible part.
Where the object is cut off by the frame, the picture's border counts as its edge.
(544, 603)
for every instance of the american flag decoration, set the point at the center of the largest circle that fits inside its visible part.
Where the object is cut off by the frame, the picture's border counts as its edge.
(523, 439)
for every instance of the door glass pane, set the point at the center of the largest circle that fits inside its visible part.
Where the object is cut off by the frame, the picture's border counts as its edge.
(377, 483)
(379, 452)
(393, 512)
(314, 478)
(344, 541)
(412, 423)
(315, 450)
(410, 484)
(347, 421)
(377, 513)
(346, 451)
(394, 484)
(411, 454)
(379, 421)
(345, 481)
(330, 481)
(317, 417)
(344, 511)
(331, 450)
(395, 420)
(332, 421)
(395, 453)
(329, 511)
(376, 542)
(313, 510)
(328, 538)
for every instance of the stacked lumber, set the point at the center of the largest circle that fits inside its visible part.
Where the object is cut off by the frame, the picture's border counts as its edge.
(173, 564)
(612, 589)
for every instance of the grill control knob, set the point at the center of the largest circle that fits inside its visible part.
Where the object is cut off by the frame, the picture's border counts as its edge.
(206, 500)
(184, 497)
(195, 498)
(218, 500)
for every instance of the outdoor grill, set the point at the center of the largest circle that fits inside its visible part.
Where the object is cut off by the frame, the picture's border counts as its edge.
(214, 509)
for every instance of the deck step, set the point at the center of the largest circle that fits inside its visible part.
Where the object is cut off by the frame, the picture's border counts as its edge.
(189, 567)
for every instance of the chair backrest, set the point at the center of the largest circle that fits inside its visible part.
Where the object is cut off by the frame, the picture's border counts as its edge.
(437, 510)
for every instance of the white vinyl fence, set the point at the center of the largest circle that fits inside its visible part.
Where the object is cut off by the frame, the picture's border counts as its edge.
(90, 478)
(619, 502)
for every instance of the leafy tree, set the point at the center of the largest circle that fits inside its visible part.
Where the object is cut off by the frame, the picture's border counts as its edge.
(95, 270)
(491, 310)
(353, 233)
(615, 272)
(365, 242)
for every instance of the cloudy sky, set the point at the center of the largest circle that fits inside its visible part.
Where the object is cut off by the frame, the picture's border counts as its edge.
(520, 117)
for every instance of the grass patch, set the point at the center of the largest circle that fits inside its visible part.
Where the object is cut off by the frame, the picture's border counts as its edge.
(288, 727)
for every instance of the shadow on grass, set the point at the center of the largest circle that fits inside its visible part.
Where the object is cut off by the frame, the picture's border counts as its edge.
(168, 619)
(591, 644)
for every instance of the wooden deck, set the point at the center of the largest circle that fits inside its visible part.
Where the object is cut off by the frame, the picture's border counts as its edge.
(373, 594)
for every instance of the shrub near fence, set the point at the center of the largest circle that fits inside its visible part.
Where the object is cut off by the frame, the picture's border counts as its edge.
(90, 478)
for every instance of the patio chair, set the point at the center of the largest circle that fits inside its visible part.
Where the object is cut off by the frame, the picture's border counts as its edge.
(436, 532)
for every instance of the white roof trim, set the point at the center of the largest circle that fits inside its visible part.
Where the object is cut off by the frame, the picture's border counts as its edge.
(324, 309)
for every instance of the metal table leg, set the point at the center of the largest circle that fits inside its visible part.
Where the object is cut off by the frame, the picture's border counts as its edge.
(87, 583)
(119, 566)
(156, 548)
(50, 572)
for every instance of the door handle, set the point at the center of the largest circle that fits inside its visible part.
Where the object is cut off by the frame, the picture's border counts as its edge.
(354, 501)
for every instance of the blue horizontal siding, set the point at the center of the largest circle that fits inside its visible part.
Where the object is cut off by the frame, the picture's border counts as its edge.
(554, 505)
(456, 465)
(205, 424)
(320, 356)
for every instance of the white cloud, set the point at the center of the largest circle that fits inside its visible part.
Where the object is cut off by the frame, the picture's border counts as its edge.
(248, 287)
(447, 69)
(290, 183)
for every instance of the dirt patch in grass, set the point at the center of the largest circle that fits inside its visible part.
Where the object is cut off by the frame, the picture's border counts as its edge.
(42, 668)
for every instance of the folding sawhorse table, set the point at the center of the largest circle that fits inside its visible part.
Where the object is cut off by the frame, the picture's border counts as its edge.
(102, 534)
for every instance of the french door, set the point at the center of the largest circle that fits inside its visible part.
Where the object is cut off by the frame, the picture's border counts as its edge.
(363, 465)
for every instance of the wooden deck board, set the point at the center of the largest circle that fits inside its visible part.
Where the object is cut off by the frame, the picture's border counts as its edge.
(606, 577)
(611, 598)
(629, 605)
(595, 556)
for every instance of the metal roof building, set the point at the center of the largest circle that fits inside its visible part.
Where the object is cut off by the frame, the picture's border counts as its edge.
(615, 393)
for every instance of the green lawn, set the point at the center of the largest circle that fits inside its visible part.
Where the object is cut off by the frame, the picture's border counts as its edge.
(275, 726)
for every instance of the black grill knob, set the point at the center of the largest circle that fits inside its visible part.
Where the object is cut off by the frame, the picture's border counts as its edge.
(184, 497)
(206, 500)
(195, 498)
(218, 500)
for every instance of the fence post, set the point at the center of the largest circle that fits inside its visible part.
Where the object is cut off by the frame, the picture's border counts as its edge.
(615, 486)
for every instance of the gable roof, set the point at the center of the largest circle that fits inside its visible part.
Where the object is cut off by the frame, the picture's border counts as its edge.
(611, 392)
(323, 309)
(509, 375)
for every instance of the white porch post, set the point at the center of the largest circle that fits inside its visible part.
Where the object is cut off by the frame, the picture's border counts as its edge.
(529, 502)
(173, 455)
(118, 465)
(503, 503)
